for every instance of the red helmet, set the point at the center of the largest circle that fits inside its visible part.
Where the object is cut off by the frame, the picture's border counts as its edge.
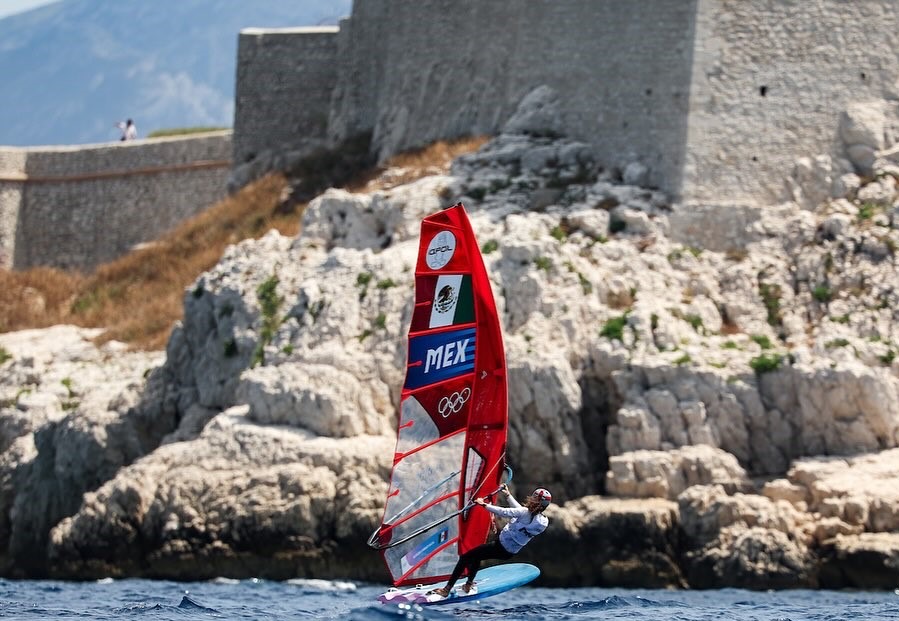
(543, 495)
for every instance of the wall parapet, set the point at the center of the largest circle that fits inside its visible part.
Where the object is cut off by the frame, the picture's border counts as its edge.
(75, 207)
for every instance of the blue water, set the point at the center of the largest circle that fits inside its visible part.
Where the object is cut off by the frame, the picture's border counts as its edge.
(257, 600)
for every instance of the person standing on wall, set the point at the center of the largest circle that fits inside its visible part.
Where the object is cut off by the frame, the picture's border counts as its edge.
(129, 131)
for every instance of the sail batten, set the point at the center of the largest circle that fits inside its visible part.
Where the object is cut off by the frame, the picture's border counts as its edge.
(451, 432)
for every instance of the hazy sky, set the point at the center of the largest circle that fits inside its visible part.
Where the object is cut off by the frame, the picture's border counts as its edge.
(8, 7)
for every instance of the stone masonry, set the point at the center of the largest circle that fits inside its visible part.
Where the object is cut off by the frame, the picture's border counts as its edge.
(706, 94)
(76, 207)
(287, 78)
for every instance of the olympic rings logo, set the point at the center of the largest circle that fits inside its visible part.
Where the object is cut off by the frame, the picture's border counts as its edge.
(453, 403)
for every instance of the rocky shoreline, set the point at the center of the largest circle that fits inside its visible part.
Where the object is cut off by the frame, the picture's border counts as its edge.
(711, 394)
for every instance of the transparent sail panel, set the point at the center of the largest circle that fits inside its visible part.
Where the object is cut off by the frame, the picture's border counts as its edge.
(422, 478)
(473, 472)
(416, 427)
(421, 549)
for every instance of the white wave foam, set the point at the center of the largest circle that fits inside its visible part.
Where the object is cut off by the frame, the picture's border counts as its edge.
(329, 586)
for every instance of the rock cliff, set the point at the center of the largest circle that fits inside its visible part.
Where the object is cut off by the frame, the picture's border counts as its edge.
(713, 403)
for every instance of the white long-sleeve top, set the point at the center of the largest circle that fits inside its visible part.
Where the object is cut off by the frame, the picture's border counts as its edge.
(522, 527)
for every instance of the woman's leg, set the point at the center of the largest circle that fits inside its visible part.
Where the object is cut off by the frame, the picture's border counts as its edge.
(493, 550)
(470, 559)
(471, 562)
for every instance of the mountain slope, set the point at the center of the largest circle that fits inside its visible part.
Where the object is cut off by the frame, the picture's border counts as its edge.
(72, 69)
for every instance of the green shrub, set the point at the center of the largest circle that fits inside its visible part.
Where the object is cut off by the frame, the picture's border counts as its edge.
(543, 263)
(836, 343)
(684, 359)
(4, 355)
(381, 321)
(559, 233)
(67, 382)
(867, 211)
(888, 357)
(765, 363)
(489, 246)
(695, 321)
(729, 345)
(763, 341)
(822, 293)
(387, 283)
(771, 298)
(269, 302)
(614, 328)
(586, 285)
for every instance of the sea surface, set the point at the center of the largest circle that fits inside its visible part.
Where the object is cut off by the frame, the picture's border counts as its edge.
(258, 600)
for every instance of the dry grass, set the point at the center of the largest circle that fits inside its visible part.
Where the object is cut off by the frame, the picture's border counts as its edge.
(415, 164)
(138, 297)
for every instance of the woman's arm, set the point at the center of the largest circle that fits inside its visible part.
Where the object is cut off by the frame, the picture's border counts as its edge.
(513, 502)
(506, 512)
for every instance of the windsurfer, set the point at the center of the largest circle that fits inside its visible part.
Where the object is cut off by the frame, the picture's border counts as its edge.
(526, 523)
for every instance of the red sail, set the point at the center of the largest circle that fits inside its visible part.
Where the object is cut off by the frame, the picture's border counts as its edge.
(452, 423)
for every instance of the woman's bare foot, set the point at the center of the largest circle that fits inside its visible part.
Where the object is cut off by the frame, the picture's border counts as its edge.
(468, 586)
(442, 592)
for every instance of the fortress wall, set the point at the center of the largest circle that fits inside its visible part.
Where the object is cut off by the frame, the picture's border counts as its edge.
(813, 58)
(285, 80)
(461, 67)
(81, 206)
(674, 85)
(12, 175)
(361, 65)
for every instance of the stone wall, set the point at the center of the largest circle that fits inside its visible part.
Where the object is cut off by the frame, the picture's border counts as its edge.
(462, 68)
(769, 83)
(285, 80)
(718, 98)
(77, 207)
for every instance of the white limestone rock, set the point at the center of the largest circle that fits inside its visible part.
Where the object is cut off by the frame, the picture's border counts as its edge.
(706, 511)
(546, 434)
(665, 331)
(326, 400)
(237, 487)
(862, 490)
(863, 123)
(538, 114)
(812, 181)
(665, 474)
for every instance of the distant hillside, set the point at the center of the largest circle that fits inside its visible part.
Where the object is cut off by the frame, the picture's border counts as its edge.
(72, 69)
